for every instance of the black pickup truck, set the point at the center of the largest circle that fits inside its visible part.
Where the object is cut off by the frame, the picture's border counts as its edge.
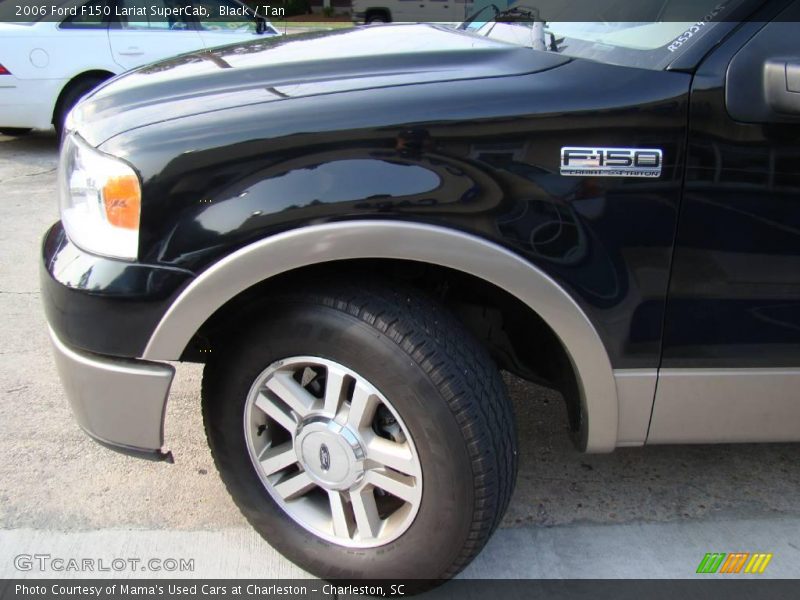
(356, 231)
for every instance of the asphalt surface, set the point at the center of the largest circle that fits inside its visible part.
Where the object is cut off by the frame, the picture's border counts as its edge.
(650, 512)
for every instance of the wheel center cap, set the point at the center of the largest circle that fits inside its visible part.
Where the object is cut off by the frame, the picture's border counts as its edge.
(330, 453)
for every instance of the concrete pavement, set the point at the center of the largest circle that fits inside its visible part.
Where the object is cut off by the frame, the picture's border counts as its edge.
(629, 551)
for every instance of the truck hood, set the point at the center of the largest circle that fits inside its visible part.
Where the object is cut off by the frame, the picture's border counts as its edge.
(281, 68)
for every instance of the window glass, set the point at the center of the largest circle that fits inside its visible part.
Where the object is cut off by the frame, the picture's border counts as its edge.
(639, 43)
(219, 16)
(94, 16)
(138, 14)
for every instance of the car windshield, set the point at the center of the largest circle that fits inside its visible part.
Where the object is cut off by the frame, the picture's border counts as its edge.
(675, 26)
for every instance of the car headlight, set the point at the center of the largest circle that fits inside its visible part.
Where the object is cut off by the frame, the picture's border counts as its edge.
(100, 198)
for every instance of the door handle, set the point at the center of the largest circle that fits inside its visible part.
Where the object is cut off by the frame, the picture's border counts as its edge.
(132, 51)
(782, 85)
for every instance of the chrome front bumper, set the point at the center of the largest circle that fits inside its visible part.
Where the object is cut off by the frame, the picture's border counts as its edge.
(118, 402)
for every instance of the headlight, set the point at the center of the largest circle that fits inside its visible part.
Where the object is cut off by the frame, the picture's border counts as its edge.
(100, 199)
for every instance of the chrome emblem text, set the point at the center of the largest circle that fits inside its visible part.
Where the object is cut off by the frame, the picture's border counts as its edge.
(611, 162)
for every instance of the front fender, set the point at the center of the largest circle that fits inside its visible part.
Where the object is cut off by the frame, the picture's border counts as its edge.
(333, 184)
(316, 244)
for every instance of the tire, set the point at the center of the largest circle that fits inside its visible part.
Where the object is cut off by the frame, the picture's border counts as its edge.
(15, 131)
(70, 97)
(452, 411)
(376, 19)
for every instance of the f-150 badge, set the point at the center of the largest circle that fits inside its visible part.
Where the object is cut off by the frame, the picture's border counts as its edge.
(611, 162)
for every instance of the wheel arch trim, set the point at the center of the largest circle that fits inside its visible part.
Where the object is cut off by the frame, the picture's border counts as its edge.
(441, 246)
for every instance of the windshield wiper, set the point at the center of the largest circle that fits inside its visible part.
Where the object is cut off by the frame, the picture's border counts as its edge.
(514, 14)
(522, 14)
(518, 13)
(477, 14)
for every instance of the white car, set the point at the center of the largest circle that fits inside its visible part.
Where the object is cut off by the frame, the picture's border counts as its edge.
(46, 66)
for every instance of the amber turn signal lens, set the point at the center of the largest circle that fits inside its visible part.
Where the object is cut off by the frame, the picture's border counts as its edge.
(122, 200)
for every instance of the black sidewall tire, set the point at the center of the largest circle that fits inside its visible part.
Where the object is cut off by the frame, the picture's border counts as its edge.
(15, 131)
(437, 535)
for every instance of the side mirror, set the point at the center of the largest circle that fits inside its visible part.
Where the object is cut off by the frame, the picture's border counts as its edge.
(782, 85)
(762, 84)
(261, 25)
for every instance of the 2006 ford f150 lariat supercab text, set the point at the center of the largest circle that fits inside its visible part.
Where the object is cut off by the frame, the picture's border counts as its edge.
(356, 230)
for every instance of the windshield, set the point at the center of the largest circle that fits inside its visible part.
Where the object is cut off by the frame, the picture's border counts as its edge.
(646, 44)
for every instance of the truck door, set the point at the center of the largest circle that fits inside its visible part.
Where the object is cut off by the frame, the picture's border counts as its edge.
(462, 9)
(730, 369)
(441, 11)
(423, 11)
